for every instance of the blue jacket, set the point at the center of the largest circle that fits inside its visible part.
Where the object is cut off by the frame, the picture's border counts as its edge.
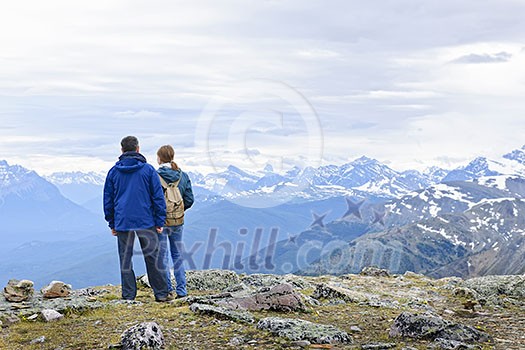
(169, 175)
(133, 196)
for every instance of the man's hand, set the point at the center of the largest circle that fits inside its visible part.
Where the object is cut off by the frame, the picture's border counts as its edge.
(113, 232)
(159, 230)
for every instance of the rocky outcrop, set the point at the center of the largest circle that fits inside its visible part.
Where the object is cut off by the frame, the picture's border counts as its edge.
(297, 329)
(147, 335)
(223, 313)
(282, 297)
(56, 289)
(431, 327)
(17, 291)
(374, 271)
(266, 280)
(211, 280)
(493, 287)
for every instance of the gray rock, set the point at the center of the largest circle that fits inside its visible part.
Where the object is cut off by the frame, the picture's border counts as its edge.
(236, 341)
(356, 329)
(491, 287)
(211, 280)
(258, 280)
(17, 291)
(378, 346)
(147, 335)
(56, 289)
(453, 345)
(89, 292)
(297, 329)
(333, 291)
(374, 271)
(463, 292)
(282, 297)
(38, 340)
(429, 326)
(49, 315)
(223, 313)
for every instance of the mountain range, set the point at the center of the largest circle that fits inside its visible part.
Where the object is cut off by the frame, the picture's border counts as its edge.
(362, 211)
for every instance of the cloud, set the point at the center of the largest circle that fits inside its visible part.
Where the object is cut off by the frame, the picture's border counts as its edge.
(84, 75)
(484, 58)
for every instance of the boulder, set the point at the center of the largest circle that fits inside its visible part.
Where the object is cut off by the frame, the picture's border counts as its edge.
(223, 313)
(146, 335)
(374, 271)
(332, 291)
(211, 280)
(281, 297)
(430, 327)
(49, 315)
(297, 329)
(56, 289)
(491, 287)
(17, 291)
(258, 280)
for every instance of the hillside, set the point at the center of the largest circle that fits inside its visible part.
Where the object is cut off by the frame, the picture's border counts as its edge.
(372, 310)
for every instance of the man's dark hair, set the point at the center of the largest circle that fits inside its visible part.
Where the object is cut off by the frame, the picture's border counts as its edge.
(129, 144)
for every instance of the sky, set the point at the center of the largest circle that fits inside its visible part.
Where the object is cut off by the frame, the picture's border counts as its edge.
(254, 82)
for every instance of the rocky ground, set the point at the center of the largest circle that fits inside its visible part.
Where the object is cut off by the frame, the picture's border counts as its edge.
(373, 310)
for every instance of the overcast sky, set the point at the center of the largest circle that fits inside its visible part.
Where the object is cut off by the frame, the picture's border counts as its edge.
(249, 82)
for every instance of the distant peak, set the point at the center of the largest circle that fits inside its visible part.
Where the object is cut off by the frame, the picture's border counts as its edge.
(3, 163)
(268, 168)
(364, 160)
(233, 168)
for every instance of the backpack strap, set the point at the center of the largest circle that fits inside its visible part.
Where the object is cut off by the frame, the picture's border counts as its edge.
(166, 185)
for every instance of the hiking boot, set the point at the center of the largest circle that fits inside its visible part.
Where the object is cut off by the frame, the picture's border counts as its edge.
(167, 299)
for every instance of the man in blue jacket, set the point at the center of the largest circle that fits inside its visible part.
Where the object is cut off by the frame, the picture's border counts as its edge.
(134, 205)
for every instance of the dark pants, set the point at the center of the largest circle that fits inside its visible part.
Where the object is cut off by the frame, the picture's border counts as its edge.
(149, 242)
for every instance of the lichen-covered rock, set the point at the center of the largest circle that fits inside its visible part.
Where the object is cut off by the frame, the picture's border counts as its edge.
(331, 291)
(56, 289)
(217, 280)
(463, 292)
(297, 329)
(491, 287)
(223, 313)
(374, 271)
(49, 315)
(258, 280)
(147, 335)
(281, 297)
(429, 326)
(17, 291)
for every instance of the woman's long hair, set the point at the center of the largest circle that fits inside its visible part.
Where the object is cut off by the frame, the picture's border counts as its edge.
(166, 154)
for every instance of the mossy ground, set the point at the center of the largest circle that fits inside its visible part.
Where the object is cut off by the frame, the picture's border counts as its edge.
(184, 329)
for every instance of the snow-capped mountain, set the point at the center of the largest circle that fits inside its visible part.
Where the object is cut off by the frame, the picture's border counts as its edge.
(77, 177)
(32, 206)
(361, 177)
(81, 188)
(482, 166)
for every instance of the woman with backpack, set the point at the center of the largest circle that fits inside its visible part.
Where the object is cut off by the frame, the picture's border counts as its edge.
(179, 197)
